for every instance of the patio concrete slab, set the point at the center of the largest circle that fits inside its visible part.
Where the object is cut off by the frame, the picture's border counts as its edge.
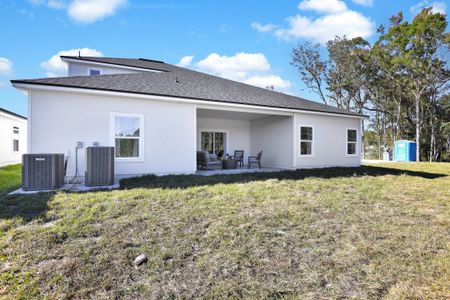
(237, 171)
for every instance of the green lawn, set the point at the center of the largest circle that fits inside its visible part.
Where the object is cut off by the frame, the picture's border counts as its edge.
(372, 232)
(10, 177)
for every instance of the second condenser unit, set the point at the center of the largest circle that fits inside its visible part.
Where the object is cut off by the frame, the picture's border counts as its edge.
(99, 166)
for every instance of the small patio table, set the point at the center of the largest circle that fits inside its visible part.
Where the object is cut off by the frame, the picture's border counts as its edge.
(230, 163)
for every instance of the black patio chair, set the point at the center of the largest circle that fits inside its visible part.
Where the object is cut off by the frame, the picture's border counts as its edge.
(255, 159)
(239, 156)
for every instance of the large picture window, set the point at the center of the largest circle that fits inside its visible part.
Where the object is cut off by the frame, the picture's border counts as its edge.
(306, 140)
(213, 142)
(352, 142)
(128, 136)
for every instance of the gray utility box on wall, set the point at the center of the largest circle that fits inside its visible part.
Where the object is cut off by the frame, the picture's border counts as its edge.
(99, 166)
(42, 171)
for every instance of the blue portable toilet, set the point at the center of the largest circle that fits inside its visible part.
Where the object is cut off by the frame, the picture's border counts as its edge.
(405, 151)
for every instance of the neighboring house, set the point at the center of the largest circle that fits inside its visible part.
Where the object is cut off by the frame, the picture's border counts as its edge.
(158, 115)
(13, 137)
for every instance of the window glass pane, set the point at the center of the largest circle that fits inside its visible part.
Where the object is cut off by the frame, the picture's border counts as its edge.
(127, 126)
(207, 142)
(127, 147)
(16, 130)
(306, 148)
(306, 133)
(16, 145)
(213, 142)
(351, 135)
(219, 142)
(351, 148)
(94, 72)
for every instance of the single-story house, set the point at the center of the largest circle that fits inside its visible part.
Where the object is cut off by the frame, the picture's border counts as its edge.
(158, 115)
(13, 137)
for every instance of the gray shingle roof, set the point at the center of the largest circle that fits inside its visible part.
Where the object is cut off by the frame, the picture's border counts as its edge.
(128, 62)
(183, 83)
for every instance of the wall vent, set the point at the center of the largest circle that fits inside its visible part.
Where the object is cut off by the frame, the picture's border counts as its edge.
(99, 166)
(42, 171)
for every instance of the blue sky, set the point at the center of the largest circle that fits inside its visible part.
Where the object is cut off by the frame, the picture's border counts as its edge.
(250, 41)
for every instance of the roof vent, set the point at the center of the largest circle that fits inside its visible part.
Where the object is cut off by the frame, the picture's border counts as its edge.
(176, 80)
(152, 60)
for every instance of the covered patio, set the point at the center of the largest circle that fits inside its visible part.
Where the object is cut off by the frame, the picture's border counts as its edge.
(237, 171)
(222, 131)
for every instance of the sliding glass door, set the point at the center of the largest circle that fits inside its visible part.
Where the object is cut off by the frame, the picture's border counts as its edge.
(213, 142)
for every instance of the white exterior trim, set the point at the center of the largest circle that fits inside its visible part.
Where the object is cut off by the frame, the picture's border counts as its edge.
(202, 103)
(113, 115)
(30, 97)
(312, 155)
(109, 65)
(15, 118)
(357, 151)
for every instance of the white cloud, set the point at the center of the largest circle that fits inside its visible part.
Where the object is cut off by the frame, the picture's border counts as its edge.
(264, 27)
(185, 61)
(268, 81)
(323, 6)
(90, 11)
(335, 20)
(84, 11)
(55, 67)
(437, 7)
(6, 66)
(364, 2)
(349, 23)
(237, 66)
(250, 68)
(55, 4)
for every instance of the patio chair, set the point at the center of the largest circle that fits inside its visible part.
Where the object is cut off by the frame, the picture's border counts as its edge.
(255, 159)
(204, 161)
(239, 156)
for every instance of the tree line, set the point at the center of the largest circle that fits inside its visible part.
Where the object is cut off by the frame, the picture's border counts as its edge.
(401, 81)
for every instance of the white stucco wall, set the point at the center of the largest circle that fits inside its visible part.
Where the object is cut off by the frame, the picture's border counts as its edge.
(238, 133)
(330, 140)
(273, 135)
(7, 155)
(82, 69)
(61, 119)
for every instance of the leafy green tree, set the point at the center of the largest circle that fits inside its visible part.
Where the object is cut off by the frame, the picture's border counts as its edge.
(412, 50)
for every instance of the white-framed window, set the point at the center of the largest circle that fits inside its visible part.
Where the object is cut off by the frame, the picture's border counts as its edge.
(213, 141)
(306, 140)
(127, 132)
(15, 139)
(352, 142)
(15, 145)
(95, 72)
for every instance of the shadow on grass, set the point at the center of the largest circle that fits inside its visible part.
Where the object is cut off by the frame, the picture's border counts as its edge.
(185, 181)
(27, 207)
